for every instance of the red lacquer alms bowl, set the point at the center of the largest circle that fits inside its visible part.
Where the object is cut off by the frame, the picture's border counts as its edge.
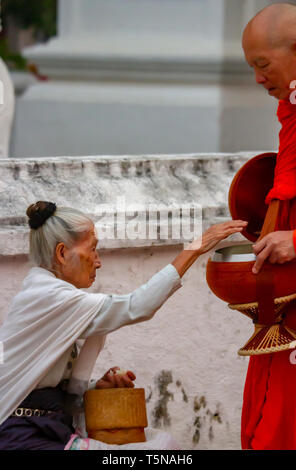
(230, 277)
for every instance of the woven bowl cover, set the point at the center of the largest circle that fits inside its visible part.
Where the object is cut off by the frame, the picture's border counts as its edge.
(115, 408)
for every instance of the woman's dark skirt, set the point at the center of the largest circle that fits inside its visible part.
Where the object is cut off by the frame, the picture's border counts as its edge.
(48, 432)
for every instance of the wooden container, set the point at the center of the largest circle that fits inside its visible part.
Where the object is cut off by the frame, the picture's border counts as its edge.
(116, 415)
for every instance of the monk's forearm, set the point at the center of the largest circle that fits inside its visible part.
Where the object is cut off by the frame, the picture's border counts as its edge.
(184, 260)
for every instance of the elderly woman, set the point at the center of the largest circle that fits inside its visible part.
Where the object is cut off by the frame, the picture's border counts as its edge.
(39, 378)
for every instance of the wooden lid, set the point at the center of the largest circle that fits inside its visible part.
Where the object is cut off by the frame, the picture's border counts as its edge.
(115, 408)
(248, 191)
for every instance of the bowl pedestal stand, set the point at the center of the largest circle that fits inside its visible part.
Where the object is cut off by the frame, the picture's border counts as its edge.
(267, 338)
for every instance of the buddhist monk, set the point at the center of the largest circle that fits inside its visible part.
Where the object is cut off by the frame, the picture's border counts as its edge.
(269, 405)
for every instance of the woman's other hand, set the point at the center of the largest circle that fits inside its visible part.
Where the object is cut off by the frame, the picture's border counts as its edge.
(114, 380)
(209, 239)
(215, 234)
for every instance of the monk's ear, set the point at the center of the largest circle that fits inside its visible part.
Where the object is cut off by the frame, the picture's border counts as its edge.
(60, 253)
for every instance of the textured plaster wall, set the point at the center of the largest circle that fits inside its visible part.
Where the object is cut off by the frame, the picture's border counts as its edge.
(185, 357)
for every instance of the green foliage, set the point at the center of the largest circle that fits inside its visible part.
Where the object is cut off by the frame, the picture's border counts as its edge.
(12, 59)
(40, 14)
(37, 14)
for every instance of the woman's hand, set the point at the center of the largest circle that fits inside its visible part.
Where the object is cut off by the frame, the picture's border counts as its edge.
(113, 380)
(209, 239)
(215, 234)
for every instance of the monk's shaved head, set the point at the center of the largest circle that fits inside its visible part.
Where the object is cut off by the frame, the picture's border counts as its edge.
(275, 25)
(269, 43)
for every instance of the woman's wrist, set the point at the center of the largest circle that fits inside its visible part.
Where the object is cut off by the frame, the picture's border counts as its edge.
(184, 260)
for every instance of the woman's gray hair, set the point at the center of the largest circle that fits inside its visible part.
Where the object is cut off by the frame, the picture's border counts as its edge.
(65, 225)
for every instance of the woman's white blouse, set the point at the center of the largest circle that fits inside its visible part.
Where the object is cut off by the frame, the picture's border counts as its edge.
(118, 311)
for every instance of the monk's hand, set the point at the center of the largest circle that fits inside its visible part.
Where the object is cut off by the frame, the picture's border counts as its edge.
(116, 378)
(276, 247)
(215, 234)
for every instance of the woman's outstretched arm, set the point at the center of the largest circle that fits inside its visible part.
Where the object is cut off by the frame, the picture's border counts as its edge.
(143, 302)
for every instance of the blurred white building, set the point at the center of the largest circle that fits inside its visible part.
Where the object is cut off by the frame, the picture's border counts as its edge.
(7, 100)
(145, 76)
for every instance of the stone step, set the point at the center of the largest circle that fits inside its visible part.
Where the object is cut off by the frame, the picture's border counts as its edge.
(117, 192)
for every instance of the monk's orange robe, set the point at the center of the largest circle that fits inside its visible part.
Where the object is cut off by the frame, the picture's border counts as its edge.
(269, 403)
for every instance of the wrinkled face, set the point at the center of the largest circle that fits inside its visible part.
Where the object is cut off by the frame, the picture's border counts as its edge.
(81, 261)
(274, 68)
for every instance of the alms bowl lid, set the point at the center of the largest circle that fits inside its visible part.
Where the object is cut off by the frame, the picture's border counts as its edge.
(248, 191)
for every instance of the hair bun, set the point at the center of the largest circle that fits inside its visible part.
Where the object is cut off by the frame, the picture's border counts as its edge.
(39, 212)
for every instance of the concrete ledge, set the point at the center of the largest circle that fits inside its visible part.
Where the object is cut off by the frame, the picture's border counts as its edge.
(89, 183)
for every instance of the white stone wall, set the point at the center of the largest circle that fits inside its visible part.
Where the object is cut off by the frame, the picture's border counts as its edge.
(68, 118)
(186, 356)
(145, 76)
